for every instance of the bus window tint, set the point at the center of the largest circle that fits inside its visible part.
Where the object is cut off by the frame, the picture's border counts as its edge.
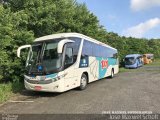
(51, 59)
(96, 50)
(87, 48)
(71, 51)
(69, 56)
(75, 46)
(129, 60)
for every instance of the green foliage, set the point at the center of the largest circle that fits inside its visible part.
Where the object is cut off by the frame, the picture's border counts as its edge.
(12, 34)
(23, 20)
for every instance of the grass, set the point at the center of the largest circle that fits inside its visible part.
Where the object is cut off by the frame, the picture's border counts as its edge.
(7, 90)
(122, 69)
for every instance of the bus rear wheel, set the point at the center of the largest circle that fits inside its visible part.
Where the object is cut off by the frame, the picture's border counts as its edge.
(112, 73)
(84, 82)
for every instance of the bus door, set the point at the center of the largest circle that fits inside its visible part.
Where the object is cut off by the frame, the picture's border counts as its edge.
(70, 80)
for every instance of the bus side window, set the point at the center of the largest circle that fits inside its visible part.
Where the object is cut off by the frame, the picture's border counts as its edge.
(69, 56)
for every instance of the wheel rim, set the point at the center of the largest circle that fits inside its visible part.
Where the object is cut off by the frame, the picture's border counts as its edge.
(83, 82)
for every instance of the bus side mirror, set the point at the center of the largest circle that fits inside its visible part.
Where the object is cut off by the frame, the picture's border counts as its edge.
(62, 43)
(22, 47)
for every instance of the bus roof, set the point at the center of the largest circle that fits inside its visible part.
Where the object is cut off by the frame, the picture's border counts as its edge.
(66, 35)
(148, 54)
(133, 55)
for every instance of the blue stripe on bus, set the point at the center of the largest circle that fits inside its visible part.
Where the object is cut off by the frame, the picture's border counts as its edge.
(112, 61)
(102, 72)
(51, 75)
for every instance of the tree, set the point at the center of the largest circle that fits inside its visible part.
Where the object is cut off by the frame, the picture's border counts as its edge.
(12, 35)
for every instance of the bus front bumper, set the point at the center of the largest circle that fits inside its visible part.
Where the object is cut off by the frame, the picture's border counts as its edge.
(56, 86)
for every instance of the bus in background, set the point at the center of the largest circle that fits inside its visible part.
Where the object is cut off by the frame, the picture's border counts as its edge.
(60, 62)
(133, 61)
(148, 58)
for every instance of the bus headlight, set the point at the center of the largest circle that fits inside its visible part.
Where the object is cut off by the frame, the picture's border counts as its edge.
(26, 78)
(58, 77)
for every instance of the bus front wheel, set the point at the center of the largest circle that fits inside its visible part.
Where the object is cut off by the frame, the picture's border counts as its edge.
(83, 83)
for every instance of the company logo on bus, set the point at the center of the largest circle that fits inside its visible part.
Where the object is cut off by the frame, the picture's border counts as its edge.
(104, 64)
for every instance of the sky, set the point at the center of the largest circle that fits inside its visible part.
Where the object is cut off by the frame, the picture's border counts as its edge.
(135, 18)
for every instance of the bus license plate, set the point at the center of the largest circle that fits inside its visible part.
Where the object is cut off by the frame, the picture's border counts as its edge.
(38, 87)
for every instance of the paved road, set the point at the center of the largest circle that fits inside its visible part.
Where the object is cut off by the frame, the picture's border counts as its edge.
(136, 90)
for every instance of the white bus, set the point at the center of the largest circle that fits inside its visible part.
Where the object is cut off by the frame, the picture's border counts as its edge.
(60, 62)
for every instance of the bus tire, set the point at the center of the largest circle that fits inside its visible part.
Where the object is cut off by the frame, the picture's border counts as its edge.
(112, 73)
(83, 83)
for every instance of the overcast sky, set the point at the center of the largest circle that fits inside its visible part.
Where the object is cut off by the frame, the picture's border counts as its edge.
(136, 18)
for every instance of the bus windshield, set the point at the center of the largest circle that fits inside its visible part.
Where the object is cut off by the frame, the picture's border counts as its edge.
(44, 57)
(129, 60)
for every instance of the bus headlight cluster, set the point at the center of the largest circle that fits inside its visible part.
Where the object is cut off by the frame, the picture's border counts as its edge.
(59, 77)
(26, 78)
